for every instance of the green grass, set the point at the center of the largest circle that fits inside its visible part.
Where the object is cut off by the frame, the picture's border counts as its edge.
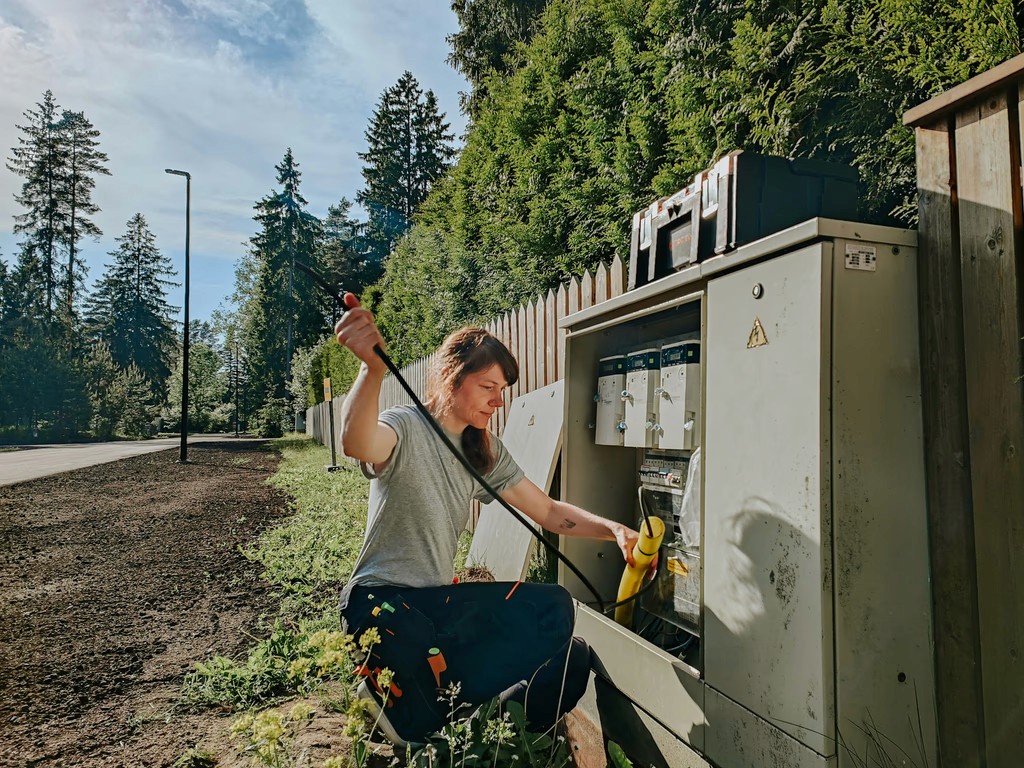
(310, 556)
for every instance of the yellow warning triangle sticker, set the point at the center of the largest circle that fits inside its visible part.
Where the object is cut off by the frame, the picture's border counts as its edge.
(757, 338)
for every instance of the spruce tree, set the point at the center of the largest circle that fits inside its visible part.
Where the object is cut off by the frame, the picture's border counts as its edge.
(129, 311)
(58, 157)
(278, 312)
(40, 159)
(342, 250)
(136, 395)
(83, 161)
(107, 400)
(408, 149)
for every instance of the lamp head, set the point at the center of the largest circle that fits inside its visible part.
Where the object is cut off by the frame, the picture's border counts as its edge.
(178, 173)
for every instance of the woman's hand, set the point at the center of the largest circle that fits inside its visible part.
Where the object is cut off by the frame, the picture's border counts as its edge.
(357, 331)
(626, 538)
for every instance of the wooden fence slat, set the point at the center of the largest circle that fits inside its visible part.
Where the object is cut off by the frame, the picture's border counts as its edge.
(617, 280)
(586, 290)
(537, 340)
(561, 310)
(995, 404)
(539, 357)
(550, 342)
(503, 335)
(574, 292)
(533, 349)
(522, 344)
(513, 329)
(601, 284)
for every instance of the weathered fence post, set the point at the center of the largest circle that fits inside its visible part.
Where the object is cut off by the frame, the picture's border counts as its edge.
(971, 273)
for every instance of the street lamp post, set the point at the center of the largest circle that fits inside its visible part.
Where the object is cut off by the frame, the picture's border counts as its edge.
(183, 449)
(236, 372)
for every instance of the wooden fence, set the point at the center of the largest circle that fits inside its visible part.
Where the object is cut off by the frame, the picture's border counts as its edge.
(531, 332)
(971, 268)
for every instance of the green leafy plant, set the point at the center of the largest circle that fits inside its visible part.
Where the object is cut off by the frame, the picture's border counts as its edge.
(266, 735)
(493, 736)
(617, 756)
(194, 757)
(286, 663)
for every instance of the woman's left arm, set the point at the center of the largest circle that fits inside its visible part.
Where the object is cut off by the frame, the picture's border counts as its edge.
(567, 519)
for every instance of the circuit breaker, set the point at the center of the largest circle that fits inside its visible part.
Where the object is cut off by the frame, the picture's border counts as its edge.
(679, 397)
(671, 491)
(639, 401)
(611, 381)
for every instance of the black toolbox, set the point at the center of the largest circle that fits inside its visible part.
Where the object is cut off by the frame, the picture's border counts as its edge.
(743, 197)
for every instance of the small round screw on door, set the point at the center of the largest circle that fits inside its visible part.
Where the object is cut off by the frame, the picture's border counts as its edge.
(757, 291)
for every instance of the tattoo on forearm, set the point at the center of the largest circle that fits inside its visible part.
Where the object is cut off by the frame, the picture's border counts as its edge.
(567, 524)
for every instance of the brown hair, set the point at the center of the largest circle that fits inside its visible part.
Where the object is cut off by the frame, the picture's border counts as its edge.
(467, 351)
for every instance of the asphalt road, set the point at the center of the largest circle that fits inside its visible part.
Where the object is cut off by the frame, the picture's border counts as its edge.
(28, 462)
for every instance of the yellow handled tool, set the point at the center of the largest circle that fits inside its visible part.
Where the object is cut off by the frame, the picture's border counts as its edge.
(644, 552)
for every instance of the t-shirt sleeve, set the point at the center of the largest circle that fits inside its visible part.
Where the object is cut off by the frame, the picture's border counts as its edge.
(505, 474)
(398, 420)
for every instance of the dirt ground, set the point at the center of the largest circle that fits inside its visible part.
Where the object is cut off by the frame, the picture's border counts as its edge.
(113, 581)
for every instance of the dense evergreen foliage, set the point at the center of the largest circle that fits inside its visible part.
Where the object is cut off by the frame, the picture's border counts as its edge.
(489, 31)
(613, 103)
(44, 370)
(343, 251)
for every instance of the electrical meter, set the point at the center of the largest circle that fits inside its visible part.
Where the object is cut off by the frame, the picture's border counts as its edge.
(611, 381)
(679, 397)
(638, 399)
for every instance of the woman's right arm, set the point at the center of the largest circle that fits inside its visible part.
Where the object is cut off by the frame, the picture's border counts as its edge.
(363, 437)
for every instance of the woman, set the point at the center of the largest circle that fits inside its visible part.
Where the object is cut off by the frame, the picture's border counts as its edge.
(486, 638)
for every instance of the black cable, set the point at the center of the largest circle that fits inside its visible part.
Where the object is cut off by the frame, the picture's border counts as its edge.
(451, 447)
(631, 598)
(643, 511)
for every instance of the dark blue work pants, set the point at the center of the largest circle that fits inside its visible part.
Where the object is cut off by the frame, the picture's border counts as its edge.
(492, 638)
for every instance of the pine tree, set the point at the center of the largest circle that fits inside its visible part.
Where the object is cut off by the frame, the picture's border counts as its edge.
(128, 310)
(409, 149)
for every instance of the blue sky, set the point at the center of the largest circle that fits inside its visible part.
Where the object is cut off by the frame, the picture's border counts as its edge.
(219, 88)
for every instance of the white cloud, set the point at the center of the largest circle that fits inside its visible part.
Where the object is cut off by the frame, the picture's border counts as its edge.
(219, 88)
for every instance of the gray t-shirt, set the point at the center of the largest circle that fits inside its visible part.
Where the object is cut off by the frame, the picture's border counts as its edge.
(419, 504)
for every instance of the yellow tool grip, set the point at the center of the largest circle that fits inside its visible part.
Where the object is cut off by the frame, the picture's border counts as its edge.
(644, 552)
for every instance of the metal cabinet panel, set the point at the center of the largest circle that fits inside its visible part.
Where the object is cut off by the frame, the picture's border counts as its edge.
(659, 683)
(767, 538)
(882, 597)
(737, 738)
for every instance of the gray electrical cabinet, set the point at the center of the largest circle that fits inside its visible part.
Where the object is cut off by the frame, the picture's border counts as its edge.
(812, 643)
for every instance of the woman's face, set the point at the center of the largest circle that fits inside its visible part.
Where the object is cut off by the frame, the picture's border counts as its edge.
(477, 397)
